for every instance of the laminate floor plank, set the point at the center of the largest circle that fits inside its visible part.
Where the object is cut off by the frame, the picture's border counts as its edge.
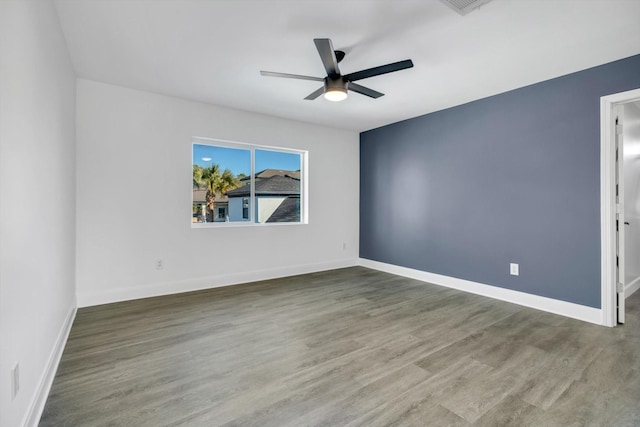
(352, 347)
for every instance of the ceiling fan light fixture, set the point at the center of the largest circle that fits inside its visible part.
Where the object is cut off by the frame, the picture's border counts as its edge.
(335, 90)
(335, 95)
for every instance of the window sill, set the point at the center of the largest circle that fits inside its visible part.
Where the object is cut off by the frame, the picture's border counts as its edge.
(196, 225)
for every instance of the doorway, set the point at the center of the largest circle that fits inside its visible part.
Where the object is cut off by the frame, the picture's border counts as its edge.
(631, 169)
(620, 270)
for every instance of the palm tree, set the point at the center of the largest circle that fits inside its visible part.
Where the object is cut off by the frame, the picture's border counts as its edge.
(217, 183)
(228, 182)
(197, 176)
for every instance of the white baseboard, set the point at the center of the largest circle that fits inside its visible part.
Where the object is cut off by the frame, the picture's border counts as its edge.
(87, 299)
(632, 287)
(563, 308)
(32, 417)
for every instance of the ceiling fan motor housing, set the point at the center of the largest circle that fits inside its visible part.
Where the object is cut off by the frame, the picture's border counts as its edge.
(337, 84)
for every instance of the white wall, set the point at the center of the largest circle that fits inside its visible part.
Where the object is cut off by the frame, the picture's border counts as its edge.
(134, 198)
(631, 141)
(37, 203)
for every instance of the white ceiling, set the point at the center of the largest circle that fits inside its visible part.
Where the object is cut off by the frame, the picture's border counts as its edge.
(212, 50)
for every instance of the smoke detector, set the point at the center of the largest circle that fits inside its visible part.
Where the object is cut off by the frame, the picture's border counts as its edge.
(464, 6)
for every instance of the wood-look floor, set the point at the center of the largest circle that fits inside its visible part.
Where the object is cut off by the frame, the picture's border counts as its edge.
(349, 347)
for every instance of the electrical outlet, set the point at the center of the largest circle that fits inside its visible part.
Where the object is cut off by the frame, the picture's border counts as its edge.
(514, 269)
(159, 264)
(15, 380)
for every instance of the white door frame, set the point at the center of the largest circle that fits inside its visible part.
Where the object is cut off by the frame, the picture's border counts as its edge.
(608, 201)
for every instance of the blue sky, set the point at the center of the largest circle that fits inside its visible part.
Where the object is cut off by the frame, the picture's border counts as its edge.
(239, 160)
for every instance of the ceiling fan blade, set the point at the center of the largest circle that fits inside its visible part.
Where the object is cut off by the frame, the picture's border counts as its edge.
(290, 76)
(364, 90)
(376, 71)
(313, 95)
(328, 56)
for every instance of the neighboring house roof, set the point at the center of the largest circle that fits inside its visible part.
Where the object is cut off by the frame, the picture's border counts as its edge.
(288, 211)
(268, 173)
(200, 196)
(276, 185)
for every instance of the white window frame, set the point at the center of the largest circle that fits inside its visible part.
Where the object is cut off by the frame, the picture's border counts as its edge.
(304, 186)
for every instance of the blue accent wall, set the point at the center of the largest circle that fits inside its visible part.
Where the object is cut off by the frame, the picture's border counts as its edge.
(514, 177)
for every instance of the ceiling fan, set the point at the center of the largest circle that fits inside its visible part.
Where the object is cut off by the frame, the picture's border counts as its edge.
(336, 85)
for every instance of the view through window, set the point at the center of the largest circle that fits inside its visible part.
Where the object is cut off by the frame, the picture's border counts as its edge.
(245, 183)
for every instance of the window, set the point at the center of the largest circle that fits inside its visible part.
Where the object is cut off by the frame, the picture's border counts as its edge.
(245, 208)
(242, 183)
(216, 171)
(277, 186)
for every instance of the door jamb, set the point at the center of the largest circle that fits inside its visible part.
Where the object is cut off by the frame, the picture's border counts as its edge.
(608, 202)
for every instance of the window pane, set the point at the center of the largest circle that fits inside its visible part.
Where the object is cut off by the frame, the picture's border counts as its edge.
(216, 172)
(245, 208)
(277, 186)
